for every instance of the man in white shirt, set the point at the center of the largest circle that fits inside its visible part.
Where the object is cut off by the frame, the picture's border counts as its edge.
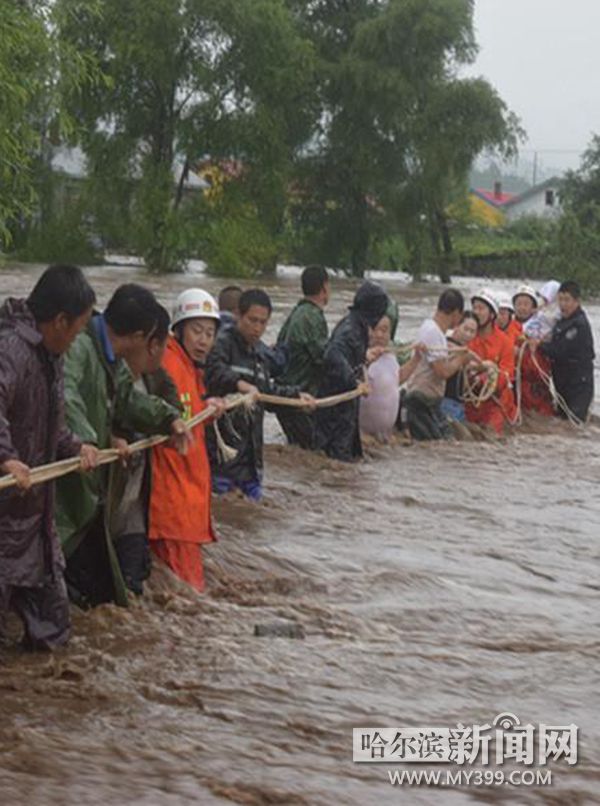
(426, 386)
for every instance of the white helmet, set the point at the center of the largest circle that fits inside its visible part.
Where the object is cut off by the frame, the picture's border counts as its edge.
(504, 301)
(195, 304)
(487, 296)
(525, 291)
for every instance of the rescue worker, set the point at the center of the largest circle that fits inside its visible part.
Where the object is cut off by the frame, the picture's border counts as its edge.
(492, 345)
(571, 353)
(305, 335)
(100, 395)
(180, 519)
(532, 370)
(34, 334)
(347, 352)
(236, 364)
(506, 318)
(426, 386)
(525, 303)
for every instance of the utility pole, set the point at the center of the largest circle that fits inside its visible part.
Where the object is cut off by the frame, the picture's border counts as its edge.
(535, 167)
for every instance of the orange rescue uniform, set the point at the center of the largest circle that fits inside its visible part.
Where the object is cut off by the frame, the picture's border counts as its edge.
(496, 346)
(513, 331)
(180, 519)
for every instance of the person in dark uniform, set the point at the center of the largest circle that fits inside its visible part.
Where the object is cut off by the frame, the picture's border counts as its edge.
(571, 353)
(337, 428)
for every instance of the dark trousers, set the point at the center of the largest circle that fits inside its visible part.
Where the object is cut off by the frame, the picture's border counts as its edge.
(133, 553)
(89, 576)
(44, 612)
(298, 427)
(578, 398)
(425, 418)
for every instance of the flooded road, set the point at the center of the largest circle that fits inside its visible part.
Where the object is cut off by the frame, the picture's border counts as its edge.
(433, 585)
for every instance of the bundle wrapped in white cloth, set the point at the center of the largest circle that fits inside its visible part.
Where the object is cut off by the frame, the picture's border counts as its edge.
(543, 320)
(379, 411)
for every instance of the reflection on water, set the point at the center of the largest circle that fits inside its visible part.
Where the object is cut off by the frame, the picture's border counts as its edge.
(433, 584)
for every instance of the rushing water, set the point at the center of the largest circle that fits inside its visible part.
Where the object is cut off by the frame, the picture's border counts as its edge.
(433, 584)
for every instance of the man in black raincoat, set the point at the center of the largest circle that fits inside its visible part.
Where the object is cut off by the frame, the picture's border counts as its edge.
(337, 428)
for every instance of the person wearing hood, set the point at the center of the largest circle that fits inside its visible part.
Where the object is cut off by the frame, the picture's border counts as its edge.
(535, 394)
(491, 345)
(570, 349)
(180, 520)
(34, 334)
(427, 385)
(344, 360)
(237, 364)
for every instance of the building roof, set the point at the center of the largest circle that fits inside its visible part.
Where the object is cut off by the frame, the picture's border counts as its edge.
(493, 198)
(547, 184)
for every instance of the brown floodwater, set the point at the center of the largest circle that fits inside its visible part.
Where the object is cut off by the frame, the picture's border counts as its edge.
(433, 585)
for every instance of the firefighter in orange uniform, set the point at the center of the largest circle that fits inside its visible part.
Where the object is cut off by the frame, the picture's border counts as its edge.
(180, 520)
(492, 345)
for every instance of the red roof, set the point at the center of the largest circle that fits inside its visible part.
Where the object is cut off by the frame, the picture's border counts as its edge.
(495, 198)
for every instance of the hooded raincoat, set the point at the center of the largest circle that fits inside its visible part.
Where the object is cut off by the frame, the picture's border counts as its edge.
(337, 428)
(33, 431)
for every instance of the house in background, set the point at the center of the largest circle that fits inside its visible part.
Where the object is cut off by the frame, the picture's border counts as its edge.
(487, 206)
(542, 201)
(494, 208)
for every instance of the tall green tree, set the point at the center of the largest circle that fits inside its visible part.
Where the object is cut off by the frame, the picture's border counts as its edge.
(24, 47)
(399, 128)
(37, 73)
(188, 79)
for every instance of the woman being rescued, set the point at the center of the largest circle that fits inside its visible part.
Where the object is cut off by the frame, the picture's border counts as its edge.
(180, 519)
(497, 364)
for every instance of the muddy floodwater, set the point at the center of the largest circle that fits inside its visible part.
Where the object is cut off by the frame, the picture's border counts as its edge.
(427, 586)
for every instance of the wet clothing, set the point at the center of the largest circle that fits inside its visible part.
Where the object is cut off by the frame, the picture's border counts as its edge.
(452, 405)
(571, 354)
(535, 394)
(424, 378)
(513, 330)
(425, 418)
(43, 610)
(425, 389)
(100, 398)
(181, 484)
(337, 428)
(232, 360)
(130, 489)
(500, 409)
(304, 334)
(33, 431)
(379, 411)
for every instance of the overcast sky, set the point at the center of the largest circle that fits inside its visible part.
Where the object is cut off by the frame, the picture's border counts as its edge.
(543, 56)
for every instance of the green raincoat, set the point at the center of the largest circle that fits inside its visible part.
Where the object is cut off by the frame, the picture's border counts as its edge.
(100, 397)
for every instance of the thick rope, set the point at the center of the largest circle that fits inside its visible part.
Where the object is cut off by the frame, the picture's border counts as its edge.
(56, 470)
(476, 392)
